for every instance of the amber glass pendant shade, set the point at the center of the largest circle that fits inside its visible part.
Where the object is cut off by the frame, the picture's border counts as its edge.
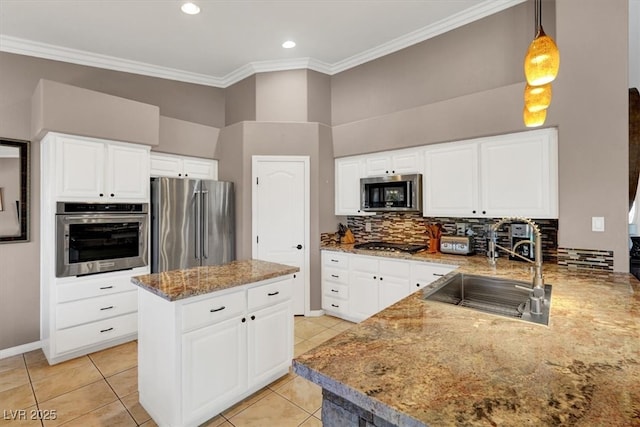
(537, 98)
(534, 119)
(542, 61)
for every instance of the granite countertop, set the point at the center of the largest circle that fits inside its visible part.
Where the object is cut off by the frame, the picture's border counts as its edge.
(426, 363)
(178, 284)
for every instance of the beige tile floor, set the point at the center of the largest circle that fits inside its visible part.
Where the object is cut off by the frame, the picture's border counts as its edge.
(101, 389)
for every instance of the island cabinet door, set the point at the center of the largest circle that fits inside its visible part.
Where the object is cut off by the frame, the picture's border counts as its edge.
(214, 367)
(270, 343)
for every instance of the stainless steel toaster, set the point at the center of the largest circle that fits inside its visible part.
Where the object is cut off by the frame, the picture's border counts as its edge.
(458, 245)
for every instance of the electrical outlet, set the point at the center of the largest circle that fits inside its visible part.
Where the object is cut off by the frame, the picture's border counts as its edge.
(367, 227)
(597, 223)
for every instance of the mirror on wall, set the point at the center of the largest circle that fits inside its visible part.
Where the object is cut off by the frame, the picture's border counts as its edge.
(14, 190)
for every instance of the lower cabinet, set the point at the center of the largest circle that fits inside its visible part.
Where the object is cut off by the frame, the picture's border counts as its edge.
(355, 287)
(201, 355)
(81, 315)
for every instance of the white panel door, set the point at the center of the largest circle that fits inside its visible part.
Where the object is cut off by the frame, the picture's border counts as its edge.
(80, 169)
(281, 218)
(451, 180)
(270, 341)
(127, 172)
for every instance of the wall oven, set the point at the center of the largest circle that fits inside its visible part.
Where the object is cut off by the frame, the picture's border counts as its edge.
(100, 237)
(391, 193)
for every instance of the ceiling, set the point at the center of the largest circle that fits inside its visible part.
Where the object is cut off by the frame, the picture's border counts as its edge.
(229, 40)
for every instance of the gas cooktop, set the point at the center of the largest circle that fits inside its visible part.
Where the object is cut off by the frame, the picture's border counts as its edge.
(391, 247)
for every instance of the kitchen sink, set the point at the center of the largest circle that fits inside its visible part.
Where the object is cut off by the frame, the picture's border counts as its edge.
(503, 297)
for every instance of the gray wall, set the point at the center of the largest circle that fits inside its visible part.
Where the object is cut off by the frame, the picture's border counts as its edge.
(469, 83)
(19, 75)
(236, 146)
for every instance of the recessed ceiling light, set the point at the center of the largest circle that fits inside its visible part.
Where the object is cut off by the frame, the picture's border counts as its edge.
(289, 44)
(190, 8)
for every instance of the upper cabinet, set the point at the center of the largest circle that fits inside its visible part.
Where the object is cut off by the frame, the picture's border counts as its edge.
(90, 170)
(506, 175)
(348, 171)
(396, 162)
(174, 166)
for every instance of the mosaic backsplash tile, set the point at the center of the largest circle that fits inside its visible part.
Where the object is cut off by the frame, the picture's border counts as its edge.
(411, 228)
(585, 259)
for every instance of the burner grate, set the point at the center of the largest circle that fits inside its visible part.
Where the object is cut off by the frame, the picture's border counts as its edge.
(391, 247)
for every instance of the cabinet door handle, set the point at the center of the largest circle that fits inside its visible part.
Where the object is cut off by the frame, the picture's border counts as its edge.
(375, 277)
(106, 330)
(106, 287)
(438, 274)
(334, 290)
(335, 260)
(112, 195)
(417, 285)
(106, 308)
(253, 317)
(273, 293)
(335, 275)
(381, 278)
(101, 195)
(213, 310)
(244, 319)
(334, 305)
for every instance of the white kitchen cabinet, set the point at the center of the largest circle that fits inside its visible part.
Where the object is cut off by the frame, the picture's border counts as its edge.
(85, 314)
(376, 283)
(216, 359)
(174, 166)
(423, 274)
(506, 175)
(201, 355)
(451, 180)
(270, 338)
(348, 172)
(355, 286)
(335, 281)
(89, 169)
(395, 162)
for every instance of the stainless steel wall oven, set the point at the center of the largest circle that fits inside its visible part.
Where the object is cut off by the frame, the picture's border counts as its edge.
(100, 237)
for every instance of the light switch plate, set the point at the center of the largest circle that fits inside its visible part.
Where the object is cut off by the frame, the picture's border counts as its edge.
(597, 223)
(367, 226)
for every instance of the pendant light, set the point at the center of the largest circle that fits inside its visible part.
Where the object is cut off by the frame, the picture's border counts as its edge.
(533, 119)
(542, 61)
(537, 98)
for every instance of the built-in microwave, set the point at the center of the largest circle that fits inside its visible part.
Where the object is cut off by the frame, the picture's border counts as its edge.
(391, 193)
(100, 237)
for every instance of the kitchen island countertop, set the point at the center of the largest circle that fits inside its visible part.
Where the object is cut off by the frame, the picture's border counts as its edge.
(178, 284)
(422, 363)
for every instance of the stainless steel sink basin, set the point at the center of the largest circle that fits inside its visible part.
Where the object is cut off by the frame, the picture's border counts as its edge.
(503, 297)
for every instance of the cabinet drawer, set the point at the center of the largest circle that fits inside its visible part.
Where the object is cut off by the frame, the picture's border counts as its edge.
(422, 273)
(335, 290)
(81, 288)
(394, 268)
(335, 259)
(335, 305)
(360, 263)
(212, 310)
(96, 332)
(269, 294)
(93, 309)
(335, 275)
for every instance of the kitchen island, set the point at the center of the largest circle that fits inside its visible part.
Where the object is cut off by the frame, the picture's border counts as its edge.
(421, 362)
(210, 336)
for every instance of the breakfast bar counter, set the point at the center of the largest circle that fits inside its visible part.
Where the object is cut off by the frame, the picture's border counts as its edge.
(420, 362)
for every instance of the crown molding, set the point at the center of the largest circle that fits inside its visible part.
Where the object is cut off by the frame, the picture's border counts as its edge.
(81, 57)
(42, 50)
(454, 21)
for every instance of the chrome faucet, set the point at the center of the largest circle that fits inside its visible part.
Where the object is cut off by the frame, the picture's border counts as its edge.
(537, 291)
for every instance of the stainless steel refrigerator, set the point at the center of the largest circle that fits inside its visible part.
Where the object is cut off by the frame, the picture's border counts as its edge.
(192, 223)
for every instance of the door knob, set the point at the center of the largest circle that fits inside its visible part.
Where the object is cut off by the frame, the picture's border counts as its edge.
(299, 247)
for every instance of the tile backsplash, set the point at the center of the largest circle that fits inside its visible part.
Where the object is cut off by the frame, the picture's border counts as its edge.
(411, 228)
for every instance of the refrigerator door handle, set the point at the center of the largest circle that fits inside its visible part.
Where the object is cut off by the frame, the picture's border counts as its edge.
(205, 221)
(198, 221)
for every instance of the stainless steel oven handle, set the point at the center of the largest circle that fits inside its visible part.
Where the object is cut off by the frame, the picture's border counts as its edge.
(102, 218)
